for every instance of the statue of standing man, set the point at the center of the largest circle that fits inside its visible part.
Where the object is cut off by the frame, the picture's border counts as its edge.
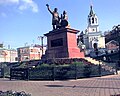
(55, 17)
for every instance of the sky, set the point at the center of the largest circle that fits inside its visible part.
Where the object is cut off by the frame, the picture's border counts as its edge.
(22, 21)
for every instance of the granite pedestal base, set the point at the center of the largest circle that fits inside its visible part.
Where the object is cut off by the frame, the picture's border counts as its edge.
(62, 43)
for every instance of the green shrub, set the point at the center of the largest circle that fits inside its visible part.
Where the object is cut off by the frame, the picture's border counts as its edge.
(78, 63)
(87, 70)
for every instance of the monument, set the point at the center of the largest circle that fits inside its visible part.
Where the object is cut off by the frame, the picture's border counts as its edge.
(61, 41)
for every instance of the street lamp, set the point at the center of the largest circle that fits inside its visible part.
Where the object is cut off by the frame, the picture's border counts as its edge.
(99, 68)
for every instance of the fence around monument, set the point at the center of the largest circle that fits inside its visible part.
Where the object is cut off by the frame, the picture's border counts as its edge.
(19, 73)
(60, 72)
(1, 72)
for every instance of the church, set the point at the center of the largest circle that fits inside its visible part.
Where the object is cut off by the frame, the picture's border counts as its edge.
(92, 38)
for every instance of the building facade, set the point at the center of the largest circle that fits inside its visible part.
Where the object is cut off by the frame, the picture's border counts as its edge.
(8, 55)
(92, 38)
(30, 53)
(112, 39)
(112, 46)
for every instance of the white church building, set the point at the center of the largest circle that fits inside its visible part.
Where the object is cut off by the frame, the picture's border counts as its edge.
(92, 37)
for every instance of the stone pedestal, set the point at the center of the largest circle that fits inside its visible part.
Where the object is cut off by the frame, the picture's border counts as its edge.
(62, 43)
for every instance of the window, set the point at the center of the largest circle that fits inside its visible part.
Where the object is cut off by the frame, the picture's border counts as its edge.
(96, 20)
(92, 20)
(31, 50)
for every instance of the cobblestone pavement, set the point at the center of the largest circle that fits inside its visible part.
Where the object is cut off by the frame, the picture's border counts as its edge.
(98, 86)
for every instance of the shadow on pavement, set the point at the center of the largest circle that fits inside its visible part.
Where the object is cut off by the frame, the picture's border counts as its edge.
(75, 86)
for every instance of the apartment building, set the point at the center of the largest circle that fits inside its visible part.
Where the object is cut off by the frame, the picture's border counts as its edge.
(30, 53)
(8, 55)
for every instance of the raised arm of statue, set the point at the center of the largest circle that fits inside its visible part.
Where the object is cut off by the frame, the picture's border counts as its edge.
(55, 17)
(49, 9)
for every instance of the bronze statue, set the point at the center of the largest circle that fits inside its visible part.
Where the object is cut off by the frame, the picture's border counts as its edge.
(55, 17)
(64, 15)
(64, 19)
(58, 22)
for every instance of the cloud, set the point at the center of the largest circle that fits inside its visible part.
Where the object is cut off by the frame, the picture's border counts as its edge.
(9, 1)
(3, 14)
(21, 4)
(26, 4)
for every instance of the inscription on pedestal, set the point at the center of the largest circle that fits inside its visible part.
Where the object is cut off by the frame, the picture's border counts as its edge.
(57, 42)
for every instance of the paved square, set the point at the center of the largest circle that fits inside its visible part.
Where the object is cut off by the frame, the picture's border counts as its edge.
(98, 86)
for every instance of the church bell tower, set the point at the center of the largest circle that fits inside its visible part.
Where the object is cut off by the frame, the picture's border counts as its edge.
(93, 36)
(93, 25)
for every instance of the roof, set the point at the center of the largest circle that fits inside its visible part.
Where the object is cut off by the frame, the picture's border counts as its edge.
(7, 49)
(91, 11)
(112, 42)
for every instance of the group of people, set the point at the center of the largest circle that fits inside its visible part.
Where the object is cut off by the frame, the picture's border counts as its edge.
(57, 21)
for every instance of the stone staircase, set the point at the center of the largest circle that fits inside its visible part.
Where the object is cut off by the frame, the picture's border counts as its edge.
(106, 68)
(89, 59)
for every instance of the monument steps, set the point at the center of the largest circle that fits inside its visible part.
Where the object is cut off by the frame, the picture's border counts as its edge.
(106, 68)
(92, 60)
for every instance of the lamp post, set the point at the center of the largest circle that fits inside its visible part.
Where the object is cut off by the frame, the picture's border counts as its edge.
(98, 58)
(99, 69)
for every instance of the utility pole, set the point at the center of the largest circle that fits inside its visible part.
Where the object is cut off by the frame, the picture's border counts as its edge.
(41, 38)
(10, 51)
